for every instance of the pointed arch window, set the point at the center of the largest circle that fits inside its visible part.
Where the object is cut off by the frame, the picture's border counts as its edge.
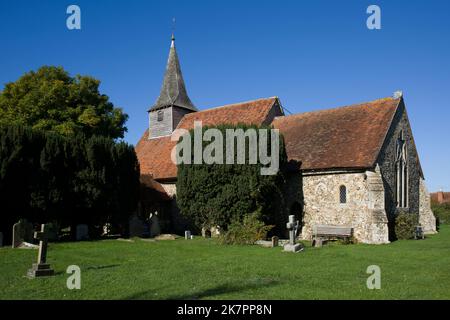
(401, 168)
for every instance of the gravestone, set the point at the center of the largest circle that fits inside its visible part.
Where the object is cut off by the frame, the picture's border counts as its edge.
(274, 241)
(52, 231)
(146, 231)
(155, 228)
(292, 226)
(82, 232)
(187, 235)
(418, 233)
(215, 232)
(136, 226)
(41, 268)
(22, 232)
(106, 229)
(1, 239)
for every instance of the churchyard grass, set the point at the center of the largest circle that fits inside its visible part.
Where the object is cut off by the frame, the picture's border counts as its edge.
(203, 269)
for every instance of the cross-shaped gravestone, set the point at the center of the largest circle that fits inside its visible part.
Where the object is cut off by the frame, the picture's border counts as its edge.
(41, 268)
(292, 226)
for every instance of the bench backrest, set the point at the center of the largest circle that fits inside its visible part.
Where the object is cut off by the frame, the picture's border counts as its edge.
(327, 230)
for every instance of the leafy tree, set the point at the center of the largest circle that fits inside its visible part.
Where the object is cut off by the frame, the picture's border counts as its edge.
(218, 194)
(50, 99)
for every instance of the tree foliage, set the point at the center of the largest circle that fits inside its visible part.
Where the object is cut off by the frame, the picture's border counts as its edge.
(217, 194)
(50, 99)
(77, 179)
(442, 212)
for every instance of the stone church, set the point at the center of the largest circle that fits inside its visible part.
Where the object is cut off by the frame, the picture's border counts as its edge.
(359, 163)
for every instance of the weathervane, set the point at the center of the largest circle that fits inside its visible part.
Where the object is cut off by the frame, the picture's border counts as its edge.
(173, 28)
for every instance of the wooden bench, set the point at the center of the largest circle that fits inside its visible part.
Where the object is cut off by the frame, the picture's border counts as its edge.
(326, 232)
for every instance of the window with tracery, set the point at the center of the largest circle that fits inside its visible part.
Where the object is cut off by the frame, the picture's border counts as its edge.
(401, 167)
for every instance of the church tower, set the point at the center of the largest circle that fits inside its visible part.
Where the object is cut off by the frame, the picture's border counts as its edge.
(173, 102)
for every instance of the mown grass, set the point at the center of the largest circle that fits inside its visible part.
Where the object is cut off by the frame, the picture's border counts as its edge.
(203, 269)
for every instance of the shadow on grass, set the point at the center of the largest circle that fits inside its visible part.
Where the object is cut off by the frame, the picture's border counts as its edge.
(207, 293)
(102, 267)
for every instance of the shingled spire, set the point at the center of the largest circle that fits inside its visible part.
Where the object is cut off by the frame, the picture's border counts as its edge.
(173, 102)
(173, 91)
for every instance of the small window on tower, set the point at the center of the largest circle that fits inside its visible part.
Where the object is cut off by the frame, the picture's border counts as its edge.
(343, 194)
(160, 115)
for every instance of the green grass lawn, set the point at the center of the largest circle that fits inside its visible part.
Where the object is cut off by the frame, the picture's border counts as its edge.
(203, 269)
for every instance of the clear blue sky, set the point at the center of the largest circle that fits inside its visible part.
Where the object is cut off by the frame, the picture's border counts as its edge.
(312, 54)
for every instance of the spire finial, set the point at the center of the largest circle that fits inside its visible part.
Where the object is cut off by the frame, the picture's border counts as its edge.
(173, 30)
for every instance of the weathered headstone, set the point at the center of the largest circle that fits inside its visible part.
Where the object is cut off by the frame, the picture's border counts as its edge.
(136, 226)
(167, 236)
(41, 268)
(215, 232)
(1, 239)
(53, 230)
(292, 226)
(187, 235)
(274, 241)
(82, 232)
(106, 229)
(22, 232)
(418, 233)
(155, 228)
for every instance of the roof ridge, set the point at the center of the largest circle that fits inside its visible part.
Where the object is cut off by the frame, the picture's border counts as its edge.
(337, 108)
(230, 105)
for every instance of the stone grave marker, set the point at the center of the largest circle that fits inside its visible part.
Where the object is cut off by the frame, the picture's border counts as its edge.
(41, 268)
(187, 235)
(22, 233)
(155, 228)
(136, 226)
(274, 241)
(82, 232)
(292, 226)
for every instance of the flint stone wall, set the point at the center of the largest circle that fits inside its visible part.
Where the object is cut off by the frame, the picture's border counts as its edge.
(426, 217)
(364, 210)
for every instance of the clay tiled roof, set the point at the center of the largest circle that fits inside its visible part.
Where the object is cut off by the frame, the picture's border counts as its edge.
(445, 196)
(250, 112)
(154, 185)
(154, 154)
(154, 157)
(343, 138)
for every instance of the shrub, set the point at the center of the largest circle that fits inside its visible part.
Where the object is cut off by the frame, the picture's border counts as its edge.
(247, 230)
(442, 212)
(405, 225)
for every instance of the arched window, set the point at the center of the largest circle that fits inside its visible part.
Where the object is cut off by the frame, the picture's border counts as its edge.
(343, 194)
(401, 168)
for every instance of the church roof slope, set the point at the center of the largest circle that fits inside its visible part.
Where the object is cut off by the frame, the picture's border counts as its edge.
(250, 112)
(154, 155)
(349, 137)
